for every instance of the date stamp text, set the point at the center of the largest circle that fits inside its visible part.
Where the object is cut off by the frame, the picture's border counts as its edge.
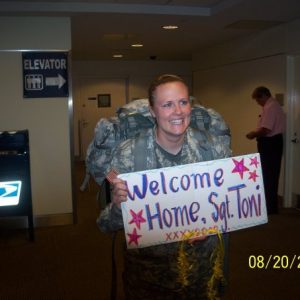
(274, 262)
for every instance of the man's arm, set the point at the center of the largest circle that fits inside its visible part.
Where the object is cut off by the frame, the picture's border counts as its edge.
(259, 132)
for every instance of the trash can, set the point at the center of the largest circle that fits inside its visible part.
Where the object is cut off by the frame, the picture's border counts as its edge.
(15, 180)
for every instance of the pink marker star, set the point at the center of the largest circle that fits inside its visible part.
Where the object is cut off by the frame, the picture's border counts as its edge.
(253, 175)
(239, 167)
(137, 218)
(254, 162)
(133, 237)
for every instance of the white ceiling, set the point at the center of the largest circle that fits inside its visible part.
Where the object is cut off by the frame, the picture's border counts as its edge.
(101, 28)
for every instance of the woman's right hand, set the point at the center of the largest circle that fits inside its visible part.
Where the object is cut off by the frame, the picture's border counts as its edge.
(119, 191)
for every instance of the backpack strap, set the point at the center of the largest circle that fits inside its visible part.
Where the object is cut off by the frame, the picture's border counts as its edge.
(141, 152)
(204, 140)
(200, 118)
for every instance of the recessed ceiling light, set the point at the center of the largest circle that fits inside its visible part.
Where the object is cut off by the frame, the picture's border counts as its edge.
(117, 55)
(137, 45)
(170, 27)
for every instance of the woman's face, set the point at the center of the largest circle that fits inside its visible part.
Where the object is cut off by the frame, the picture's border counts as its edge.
(171, 109)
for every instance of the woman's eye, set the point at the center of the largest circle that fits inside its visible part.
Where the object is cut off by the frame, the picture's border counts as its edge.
(168, 104)
(184, 102)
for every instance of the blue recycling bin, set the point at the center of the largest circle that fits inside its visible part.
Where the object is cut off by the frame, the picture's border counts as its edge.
(15, 180)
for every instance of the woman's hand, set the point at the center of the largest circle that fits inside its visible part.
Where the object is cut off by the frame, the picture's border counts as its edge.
(195, 239)
(119, 191)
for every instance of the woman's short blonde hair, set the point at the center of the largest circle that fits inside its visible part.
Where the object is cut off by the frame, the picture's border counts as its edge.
(162, 79)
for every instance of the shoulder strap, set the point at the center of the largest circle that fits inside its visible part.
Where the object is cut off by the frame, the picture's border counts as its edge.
(204, 140)
(200, 118)
(139, 151)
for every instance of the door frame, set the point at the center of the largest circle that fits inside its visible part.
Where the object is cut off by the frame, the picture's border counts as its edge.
(289, 158)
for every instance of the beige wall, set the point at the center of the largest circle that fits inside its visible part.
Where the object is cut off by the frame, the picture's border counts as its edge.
(257, 45)
(225, 76)
(228, 90)
(46, 119)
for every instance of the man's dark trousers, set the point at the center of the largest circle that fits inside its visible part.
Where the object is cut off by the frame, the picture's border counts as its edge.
(270, 150)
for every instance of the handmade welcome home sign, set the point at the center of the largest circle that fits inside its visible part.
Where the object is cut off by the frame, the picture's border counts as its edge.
(165, 205)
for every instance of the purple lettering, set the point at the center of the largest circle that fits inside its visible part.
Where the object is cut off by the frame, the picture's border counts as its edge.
(136, 190)
(218, 177)
(172, 185)
(153, 187)
(185, 185)
(201, 178)
(154, 216)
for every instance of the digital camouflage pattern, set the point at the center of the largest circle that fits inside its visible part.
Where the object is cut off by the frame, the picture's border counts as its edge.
(152, 272)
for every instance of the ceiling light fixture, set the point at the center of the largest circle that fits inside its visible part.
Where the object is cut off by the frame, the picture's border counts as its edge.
(117, 55)
(137, 45)
(170, 27)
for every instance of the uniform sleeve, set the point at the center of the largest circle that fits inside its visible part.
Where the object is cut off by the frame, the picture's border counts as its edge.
(110, 219)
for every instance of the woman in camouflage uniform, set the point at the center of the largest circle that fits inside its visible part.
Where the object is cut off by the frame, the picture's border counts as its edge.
(152, 272)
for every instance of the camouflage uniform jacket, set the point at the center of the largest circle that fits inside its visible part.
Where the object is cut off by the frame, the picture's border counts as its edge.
(152, 272)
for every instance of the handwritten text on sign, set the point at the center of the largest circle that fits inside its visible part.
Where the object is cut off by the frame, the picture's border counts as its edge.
(165, 204)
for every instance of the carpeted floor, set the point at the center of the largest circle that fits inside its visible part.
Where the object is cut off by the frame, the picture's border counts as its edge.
(74, 261)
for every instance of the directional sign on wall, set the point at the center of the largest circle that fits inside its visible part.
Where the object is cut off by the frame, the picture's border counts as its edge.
(45, 74)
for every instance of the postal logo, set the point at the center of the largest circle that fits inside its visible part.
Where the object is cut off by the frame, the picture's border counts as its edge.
(10, 193)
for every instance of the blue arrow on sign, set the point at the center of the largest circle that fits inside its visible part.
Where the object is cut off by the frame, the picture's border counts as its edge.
(10, 192)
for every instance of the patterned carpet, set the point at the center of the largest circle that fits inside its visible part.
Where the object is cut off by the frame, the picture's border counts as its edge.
(74, 261)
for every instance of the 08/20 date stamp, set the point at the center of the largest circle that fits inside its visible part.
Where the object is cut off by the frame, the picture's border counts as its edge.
(274, 262)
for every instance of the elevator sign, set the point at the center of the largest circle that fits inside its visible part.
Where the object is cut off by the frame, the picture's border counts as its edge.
(45, 74)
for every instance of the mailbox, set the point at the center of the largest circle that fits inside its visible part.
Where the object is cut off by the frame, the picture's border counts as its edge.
(15, 180)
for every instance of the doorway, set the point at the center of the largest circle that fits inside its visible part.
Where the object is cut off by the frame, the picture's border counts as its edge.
(292, 168)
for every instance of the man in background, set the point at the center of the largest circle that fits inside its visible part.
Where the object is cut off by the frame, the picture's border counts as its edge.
(269, 136)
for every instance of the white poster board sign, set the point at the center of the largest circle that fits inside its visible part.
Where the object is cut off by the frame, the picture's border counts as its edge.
(163, 205)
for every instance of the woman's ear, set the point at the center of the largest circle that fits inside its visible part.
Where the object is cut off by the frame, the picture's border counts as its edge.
(152, 112)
